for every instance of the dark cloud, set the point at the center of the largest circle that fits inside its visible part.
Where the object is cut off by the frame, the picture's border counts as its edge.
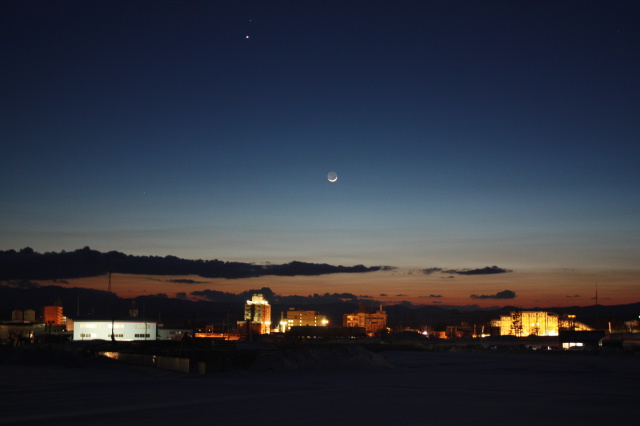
(480, 271)
(220, 296)
(505, 294)
(85, 262)
(181, 295)
(383, 295)
(25, 284)
(401, 295)
(217, 296)
(431, 296)
(429, 271)
(436, 301)
(319, 299)
(186, 281)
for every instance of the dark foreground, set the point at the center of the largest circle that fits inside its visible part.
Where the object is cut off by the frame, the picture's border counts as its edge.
(390, 388)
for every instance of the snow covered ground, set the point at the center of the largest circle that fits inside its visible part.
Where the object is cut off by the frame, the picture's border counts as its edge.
(365, 388)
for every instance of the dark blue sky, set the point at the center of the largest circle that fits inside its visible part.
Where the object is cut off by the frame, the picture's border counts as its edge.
(464, 134)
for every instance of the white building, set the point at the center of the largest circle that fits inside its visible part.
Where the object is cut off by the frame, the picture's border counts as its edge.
(123, 330)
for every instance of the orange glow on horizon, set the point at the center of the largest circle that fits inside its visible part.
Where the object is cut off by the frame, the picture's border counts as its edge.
(533, 288)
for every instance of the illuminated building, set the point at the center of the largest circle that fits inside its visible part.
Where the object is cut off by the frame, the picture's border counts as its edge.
(53, 315)
(122, 330)
(257, 316)
(536, 323)
(372, 321)
(209, 332)
(302, 319)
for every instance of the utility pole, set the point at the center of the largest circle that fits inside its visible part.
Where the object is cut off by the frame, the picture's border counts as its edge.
(110, 296)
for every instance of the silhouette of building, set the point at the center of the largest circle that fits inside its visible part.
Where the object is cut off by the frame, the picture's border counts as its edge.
(579, 340)
(462, 330)
(312, 333)
(26, 315)
(296, 318)
(172, 333)
(372, 321)
(257, 316)
(536, 323)
(133, 311)
(16, 332)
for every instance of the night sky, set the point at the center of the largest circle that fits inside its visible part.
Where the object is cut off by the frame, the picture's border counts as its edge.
(463, 134)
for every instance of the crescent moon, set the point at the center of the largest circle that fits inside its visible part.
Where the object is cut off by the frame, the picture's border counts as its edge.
(332, 176)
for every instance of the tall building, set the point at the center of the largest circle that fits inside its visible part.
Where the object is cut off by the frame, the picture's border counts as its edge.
(257, 315)
(372, 321)
(53, 315)
(296, 318)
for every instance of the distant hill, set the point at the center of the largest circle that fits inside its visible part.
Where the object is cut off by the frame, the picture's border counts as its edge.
(224, 308)
(27, 264)
(220, 308)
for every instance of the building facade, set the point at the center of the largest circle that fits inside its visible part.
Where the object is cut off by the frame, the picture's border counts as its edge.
(257, 316)
(536, 323)
(296, 318)
(173, 333)
(26, 315)
(122, 330)
(372, 321)
(53, 315)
